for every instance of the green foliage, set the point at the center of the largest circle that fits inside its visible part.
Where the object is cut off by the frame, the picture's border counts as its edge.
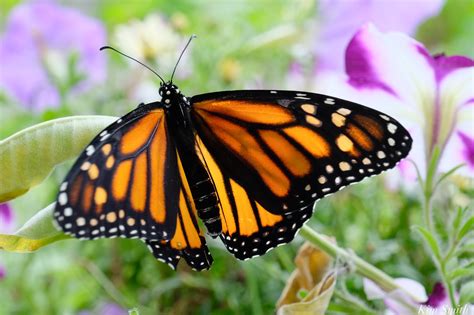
(373, 221)
(29, 156)
(34, 234)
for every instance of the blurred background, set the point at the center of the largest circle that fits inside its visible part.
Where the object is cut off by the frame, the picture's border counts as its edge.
(51, 67)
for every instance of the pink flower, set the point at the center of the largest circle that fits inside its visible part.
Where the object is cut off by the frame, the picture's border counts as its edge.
(7, 225)
(340, 19)
(7, 219)
(432, 96)
(398, 302)
(39, 41)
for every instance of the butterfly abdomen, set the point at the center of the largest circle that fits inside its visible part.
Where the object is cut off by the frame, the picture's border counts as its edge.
(201, 186)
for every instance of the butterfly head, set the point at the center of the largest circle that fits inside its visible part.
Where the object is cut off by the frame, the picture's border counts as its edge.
(170, 94)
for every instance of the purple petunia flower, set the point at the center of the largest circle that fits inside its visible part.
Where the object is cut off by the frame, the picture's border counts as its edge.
(2, 272)
(106, 309)
(39, 39)
(7, 219)
(340, 19)
(432, 96)
(399, 303)
(7, 225)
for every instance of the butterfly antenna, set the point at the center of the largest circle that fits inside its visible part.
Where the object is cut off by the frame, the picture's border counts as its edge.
(117, 51)
(181, 55)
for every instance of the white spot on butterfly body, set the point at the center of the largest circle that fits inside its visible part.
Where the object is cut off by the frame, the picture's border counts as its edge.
(381, 154)
(385, 117)
(308, 187)
(119, 121)
(273, 92)
(103, 133)
(391, 142)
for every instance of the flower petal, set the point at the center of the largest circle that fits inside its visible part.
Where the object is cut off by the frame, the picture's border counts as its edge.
(445, 65)
(28, 37)
(392, 62)
(7, 219)
(372, 291)
(417, 291)
(438, 297)
(340, 19)
(457, 119)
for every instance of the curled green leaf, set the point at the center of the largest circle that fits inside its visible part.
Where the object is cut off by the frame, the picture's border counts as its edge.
(37, 232)
(29, 156)
(467, 227)
(430, 240)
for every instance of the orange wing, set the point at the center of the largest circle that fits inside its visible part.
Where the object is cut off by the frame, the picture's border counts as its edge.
(129, 183)
(248, 229)
(272, 154)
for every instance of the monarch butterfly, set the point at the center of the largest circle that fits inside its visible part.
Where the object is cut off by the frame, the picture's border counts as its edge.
(249, 164)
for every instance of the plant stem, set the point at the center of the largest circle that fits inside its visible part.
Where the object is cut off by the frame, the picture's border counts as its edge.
(447, 284)
(365, 269)
(427, 209)
(362, 267)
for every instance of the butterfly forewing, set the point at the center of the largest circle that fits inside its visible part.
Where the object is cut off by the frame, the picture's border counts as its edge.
(129, 183)
(288, 149)
(272, 154)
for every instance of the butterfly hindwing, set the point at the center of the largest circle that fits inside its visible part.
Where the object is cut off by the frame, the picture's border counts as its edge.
(248, 229)
(129, 183)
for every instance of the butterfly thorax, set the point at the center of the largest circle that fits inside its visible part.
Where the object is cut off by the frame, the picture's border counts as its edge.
(171, 95)
(178, 118)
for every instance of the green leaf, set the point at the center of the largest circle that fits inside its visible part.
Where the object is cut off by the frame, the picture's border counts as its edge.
(467, 248)
(430, 240)
(431, 171)
(447, 174)
(466, 294)
(457, 220)
(37, 232)
(467, 227)
(461, 272)
(29, 156)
